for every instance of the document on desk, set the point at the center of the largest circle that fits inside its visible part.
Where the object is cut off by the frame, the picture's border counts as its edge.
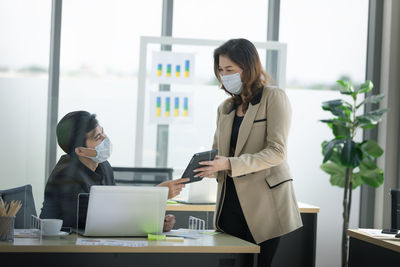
(110, 242)
(26, 233)
(191, 234)
(376, 233)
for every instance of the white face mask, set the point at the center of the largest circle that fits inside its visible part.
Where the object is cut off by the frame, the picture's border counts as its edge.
(103, 150)
(232, 83)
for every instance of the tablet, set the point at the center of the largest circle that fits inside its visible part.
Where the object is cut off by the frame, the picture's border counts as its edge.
(194, 164)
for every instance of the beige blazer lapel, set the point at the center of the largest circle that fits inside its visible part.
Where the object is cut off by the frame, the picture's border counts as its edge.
(245, 127)
(225, 133)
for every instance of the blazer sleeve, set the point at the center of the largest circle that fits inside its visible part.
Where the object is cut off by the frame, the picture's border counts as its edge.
(215, 142)
(278, 123)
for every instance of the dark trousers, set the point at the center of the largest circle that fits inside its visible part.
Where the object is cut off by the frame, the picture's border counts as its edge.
(232, 221)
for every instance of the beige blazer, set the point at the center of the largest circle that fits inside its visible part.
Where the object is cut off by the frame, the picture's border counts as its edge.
(259, 167)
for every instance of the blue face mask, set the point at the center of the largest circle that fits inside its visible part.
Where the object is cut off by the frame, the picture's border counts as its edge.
(103, 150)
(232, 83)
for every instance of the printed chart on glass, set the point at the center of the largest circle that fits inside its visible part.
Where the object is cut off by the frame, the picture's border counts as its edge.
(172, 67)
(168, 107)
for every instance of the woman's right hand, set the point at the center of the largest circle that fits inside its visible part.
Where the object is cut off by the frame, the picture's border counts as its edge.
(210, 168)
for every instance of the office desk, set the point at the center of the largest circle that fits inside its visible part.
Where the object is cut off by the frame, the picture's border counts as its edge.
(216, 250)
(300, 244)
(365, 250)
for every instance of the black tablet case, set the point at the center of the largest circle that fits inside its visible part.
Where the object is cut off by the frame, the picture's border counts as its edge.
(194, 164)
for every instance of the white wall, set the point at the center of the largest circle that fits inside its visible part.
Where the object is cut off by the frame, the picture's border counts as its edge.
(312, 185)
(23, 111)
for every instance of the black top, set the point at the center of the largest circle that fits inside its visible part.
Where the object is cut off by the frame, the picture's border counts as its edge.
(237, 121)
(69, 178)
(231, 201)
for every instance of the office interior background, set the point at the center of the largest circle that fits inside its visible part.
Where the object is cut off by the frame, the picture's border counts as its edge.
(98, 59)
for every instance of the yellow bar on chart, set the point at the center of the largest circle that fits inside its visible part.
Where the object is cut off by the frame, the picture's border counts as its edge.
(158, 107)
(159, 70)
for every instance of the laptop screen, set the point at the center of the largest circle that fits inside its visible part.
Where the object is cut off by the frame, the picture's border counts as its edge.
(125, 210)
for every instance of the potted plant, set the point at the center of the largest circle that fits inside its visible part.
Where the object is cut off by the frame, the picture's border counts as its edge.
(350, 163)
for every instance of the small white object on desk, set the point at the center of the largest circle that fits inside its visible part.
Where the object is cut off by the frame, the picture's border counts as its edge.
(376, 233)
(59, 234)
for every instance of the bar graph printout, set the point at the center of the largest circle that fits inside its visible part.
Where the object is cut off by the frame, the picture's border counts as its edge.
(172, 67)
(169, 107)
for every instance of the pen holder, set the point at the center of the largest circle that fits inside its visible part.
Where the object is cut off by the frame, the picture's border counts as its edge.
(7, 228)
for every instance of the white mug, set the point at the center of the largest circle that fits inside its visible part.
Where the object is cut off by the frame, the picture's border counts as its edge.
(51, 226)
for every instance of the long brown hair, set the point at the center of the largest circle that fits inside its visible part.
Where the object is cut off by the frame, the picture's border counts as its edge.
(245, 55)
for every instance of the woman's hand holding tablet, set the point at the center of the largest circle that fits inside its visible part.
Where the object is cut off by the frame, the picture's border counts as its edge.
(209, 168)
(195, 166)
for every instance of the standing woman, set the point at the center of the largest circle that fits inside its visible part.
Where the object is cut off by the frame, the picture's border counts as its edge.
(256, 201)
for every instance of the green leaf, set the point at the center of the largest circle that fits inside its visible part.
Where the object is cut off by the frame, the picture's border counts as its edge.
(370, 118)
(351, 155)
(373, 178)
(338, 180)
(333, 168)
(356, 180)
(366, 87)
(368, 126)
(329, 146)
(372, 99)
(338, 107)
(371, 148)
(347, 93)
(346, 85)
(335, 156)
(368, 164)
(327, 121)
(341, 129)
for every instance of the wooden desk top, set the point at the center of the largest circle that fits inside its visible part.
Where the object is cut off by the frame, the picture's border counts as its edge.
(304, 208)
(389, 243)
(219, 243)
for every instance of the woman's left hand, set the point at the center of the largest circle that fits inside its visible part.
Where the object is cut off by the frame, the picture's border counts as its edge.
(220, 163)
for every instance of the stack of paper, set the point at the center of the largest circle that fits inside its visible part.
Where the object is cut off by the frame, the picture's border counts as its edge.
(376, 233)
(110, 242)
(188, 233)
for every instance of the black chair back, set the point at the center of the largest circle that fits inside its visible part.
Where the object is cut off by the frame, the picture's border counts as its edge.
(24, 194)
(141, 176)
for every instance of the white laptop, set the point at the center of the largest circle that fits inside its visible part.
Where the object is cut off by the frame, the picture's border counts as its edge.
(125, 210)
(202, 192)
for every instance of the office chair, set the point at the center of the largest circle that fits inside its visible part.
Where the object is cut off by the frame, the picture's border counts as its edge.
(141, 176)
(24, 194)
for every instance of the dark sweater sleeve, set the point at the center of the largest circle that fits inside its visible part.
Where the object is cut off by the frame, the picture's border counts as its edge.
(61, 203)
(51, 204)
